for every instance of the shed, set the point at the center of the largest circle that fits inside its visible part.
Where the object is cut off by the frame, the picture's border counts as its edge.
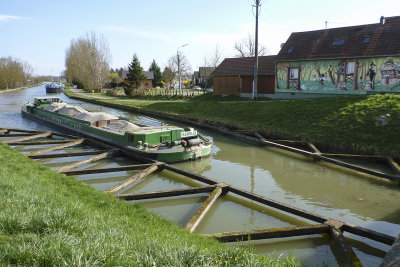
(234, 76)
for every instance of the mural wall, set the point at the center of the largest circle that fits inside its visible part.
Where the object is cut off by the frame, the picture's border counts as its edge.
(350, 76)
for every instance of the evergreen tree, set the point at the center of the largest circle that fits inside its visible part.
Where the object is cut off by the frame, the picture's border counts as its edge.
(134, 77)
(157, 74)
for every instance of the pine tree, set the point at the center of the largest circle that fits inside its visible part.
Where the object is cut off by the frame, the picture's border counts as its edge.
(134, 77)
(157, 74)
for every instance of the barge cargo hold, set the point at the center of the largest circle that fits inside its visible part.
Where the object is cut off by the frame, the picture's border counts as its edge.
(163, 143)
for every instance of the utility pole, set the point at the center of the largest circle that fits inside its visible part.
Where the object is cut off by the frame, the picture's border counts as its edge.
(255, 80)
(179, 67)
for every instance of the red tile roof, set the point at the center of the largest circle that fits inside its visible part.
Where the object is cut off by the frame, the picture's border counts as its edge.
(244, 66)
(357, 41)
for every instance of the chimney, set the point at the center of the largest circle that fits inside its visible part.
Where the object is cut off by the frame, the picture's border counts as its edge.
(382, 20)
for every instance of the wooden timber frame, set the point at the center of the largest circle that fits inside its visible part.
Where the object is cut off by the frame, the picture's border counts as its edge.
(323, 225)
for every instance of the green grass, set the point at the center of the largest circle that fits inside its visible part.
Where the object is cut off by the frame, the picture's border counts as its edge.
(347, 121)
(49, 219)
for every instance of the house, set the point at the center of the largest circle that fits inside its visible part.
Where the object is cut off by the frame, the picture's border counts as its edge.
(146, 83)
(234, 76)
(202, 76)
(349, 60)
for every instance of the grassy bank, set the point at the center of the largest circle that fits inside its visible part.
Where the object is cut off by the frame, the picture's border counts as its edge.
(49, 219)
(344, 121)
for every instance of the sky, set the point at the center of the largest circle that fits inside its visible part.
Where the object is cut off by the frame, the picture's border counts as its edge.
(40, 31)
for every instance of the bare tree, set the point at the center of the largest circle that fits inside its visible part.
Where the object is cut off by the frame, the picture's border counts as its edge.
(246, 48)
(179, 64)
(13, 73)
(215, 58)
(87, 61)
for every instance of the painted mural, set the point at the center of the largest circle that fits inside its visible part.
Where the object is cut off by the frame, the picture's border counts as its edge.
(350, 76)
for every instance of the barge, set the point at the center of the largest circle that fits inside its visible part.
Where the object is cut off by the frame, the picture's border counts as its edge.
(54, 87)
(163, 143)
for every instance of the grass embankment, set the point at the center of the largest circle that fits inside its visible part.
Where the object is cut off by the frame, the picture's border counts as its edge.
(49, 219)
(346, 121)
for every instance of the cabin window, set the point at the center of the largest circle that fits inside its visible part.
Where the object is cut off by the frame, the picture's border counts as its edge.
(290, 50)
(294, 74)
(350, 68)
(338, 42)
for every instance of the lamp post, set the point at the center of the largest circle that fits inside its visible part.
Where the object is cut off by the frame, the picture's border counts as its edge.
(255, 81)
(179, 66)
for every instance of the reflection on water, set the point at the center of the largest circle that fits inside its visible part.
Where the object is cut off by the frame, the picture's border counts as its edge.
(292, 179)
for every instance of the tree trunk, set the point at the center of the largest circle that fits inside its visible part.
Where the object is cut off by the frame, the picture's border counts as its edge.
(331, 77)
(276, 80)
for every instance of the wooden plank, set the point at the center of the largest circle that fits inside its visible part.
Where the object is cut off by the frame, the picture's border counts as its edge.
(3, 131)
(260, 136)
(15, 134)
(387, 176)
(270, 233)
(373, 235)
(52, 148)
(356, 156)
(111, 169)
(393, 164)
(345, 248)
(22, 130)
(202, 211)
(133, 179)
(313, 148)
(278, 205)
(194, 176)
(84, 162)
(392, 258)
(287, 148)
(45, 134)
(35, 143)
(72, 154)
(169, 193)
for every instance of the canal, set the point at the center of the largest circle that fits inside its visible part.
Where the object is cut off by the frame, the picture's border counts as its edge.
(285, 177)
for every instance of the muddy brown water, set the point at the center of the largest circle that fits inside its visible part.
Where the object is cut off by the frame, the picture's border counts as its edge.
(291, 179)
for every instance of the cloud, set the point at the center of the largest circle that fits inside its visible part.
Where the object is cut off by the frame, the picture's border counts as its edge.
(9, 17)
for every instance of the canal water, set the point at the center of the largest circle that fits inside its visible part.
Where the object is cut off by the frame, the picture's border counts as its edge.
(282, 176)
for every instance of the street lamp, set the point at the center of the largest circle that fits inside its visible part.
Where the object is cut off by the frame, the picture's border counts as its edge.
(179, 66)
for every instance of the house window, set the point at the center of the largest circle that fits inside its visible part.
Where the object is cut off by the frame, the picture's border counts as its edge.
(350, 68)
(294, 74)
(338, 42)
(290, 50)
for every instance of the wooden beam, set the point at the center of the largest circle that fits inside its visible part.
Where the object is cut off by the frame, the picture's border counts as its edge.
(3, 131)
(260, 136)
(45, 134)
(345, 248)
(84, 162)
(111, 169)
(387, 176)
(169, 193)
(270, 233)
(72, 154)
(133, 179)
(356, 156)
(278, 205)
(373, 235)
(202, 211)
(194, 176)
(15, 134)
(393, 164)
(313, 148)
(23, 131)
(48, 149)
(35, 143)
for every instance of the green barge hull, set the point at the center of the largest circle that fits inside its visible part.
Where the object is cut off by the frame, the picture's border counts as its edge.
(128, 141)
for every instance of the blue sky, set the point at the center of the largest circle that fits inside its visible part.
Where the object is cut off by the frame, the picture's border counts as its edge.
(40, 31)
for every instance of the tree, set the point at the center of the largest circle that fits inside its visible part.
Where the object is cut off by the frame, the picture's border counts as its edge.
(246, 48)
(179, 64)
(157, 74)
(13, 73)
(215, 58)
(115, 80)
(134, 77)
(87, 61)
(168, 76)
